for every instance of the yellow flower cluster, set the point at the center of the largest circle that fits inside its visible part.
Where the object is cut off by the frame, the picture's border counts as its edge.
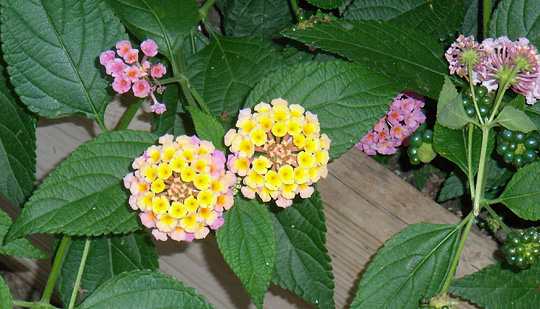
(181, 188)
(278, 150)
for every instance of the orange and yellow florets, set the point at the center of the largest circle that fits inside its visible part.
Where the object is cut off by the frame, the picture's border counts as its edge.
(279, 151)
(181, 188)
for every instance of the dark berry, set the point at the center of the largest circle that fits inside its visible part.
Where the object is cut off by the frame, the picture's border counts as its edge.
(502, 149)
(518, 160)
(530, 156)
(415, 160)
(508, 157)
(481, 91)
(412, 151)
(484, 110)
(531, 143)
(485, 100)
(470, 111)
(427, 136)
(507, 135)
(466, 101)
(519, 137)
(512, 146)
(415, 139)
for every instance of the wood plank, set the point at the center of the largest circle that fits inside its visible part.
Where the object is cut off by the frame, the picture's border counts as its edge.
(365, 205)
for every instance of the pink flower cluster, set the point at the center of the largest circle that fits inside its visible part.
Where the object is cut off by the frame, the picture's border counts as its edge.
(130, 73)
(496, 60)
(402, 119)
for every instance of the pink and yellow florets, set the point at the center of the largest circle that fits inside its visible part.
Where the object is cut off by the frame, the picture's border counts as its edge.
(279, 151)
(181, 188)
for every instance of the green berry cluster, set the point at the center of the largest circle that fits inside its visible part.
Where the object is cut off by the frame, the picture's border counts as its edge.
(420, 148)
(483, 101)
(522, 247)
(518, 148)
(425, 303)
(489, 223)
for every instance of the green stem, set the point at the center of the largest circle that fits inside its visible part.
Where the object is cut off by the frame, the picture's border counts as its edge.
(203, 10)
(469, 220)
(498, 99)
(22, 303)
(496, 217)
(79, 274)
(295, 8)
(471, 85)
(469, 159)
(481, 177)
(129, 114)
(486, 17)
(101, 124)
(60, 253)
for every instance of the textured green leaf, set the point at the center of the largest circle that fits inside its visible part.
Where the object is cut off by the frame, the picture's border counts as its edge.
(17, 150)
(20, 247)
(533, 111)
(208, 128)
(428, 16)
(109, 255)
(405, 54)
(348, 98)
(452, 188)
(522, 193)
(450, 111)
(498, 286)
(248, 244)
(498, 174)
(454, 145)
(227, 69)
(302, 260)
(515, 120)
(5, 296)
(470, 21)
(264, 18)
(145, 289)
(412, 263)
(85, 195)
(518, 102)
(516, 19)
(167, 22)
(51, 48)
(327, 4)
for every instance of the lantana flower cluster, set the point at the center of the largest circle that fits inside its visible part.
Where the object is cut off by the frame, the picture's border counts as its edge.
(278, 150)
(181, 188)
(130, 73)
(497, 61)
(403, 118)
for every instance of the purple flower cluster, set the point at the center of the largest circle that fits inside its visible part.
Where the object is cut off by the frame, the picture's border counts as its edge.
(130, 73)
(402, 119)
(497, 61)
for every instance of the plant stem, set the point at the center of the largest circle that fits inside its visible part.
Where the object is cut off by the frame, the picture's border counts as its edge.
(60, 253)
(471, 85)
(496, 217)
(481, 177)
(22, 303)
(469, 160)
(295, 9)
(453, 267)
(129, 114)
(79, 274)
(486, 17)
(203, 10)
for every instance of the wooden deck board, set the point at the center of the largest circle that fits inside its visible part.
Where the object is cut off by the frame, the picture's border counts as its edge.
(365, 205)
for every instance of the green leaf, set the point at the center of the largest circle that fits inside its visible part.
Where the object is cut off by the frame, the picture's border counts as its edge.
(533, 111)
(516, 19)
(454, 145)
(518, 102)
(145, 289)
(404, 54)
(380, 9)
(248, 244)
(20, 247)
(413, 263)
(5, 296)
(167, 22)
(498, 286)
(227, 69)
(426, 153)
(208, 128)
(264, 18)
(17, 150)
(450, 111)
(470, 21)
(174, 119)
(327, 4)
(522, 193)
(302, 260)
(430, 17)
(515, 120)
(51, 48)
(452, 188)
(498, 174)
(85, 194)
(109, 255)
(421, 175)
(348, 98)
